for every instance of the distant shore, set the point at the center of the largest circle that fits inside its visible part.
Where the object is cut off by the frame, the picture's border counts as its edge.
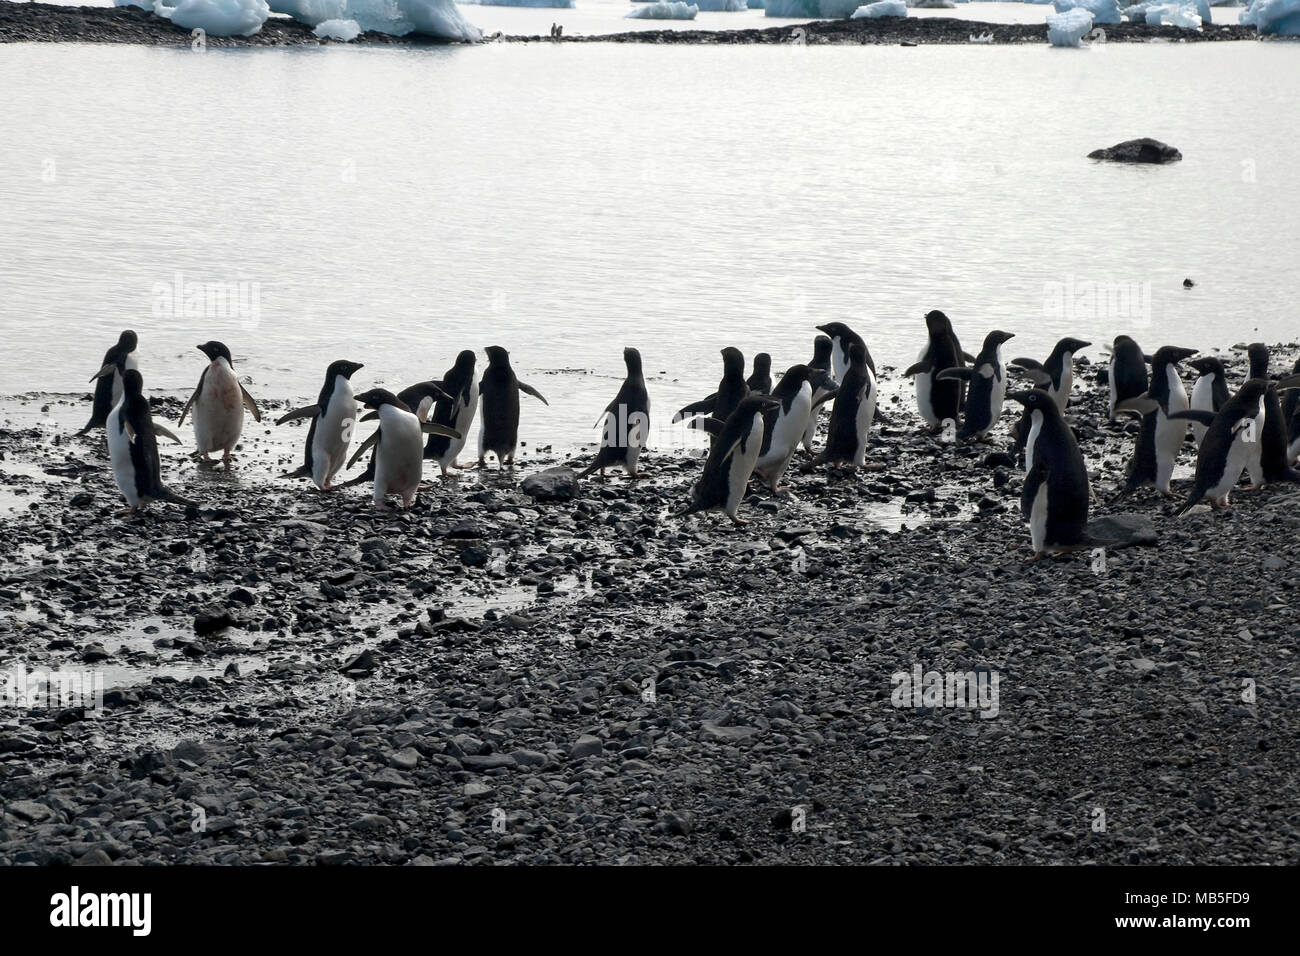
(46, 23)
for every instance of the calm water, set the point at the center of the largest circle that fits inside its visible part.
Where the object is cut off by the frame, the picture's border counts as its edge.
(394, 206)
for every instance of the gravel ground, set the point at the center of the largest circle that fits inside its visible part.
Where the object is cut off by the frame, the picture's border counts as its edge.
(593, 681)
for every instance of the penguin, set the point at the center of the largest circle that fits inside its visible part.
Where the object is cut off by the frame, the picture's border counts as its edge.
(1056, 375)
(821, 361)
(1209, 394)
(398, 444)
(420, 398)
(499, 390)
(1291, 415)
(133, 447)
(1127, 373)
(760, 380)
(108, 380)
(1258, 353)
(333, 418)
(988, 386)
(852, 413)
(842, 337)
(1054, 499)
(1160, 437)
(732, 458)
(1225, 450)
(456, 412)
(627, 423)
(1275, 461)
(938, 401)
(784, 424)
(731, 390)
(218, 402)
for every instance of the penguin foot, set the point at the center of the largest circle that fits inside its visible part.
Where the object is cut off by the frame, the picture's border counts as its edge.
(1037, 556)
(737, 521)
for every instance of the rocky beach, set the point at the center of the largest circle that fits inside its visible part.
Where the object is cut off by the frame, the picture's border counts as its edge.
(493, 677)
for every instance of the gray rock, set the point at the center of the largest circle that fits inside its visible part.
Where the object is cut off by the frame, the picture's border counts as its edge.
(553, 484)
(1144, 150)
(586, 746)
(1123, 530)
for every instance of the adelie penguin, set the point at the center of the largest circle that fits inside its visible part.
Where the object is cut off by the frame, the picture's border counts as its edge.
(1127, 376)
(938, 400)
(499, 392)
(333, 418)
(421, 398)
(1291, 415)
(398, 444)
(731, 390)
(456, 412)
(784, 423)
(108, 380)
(821, 362)
(1056, 375)
(1161, 436)
(731, 460)
(760, 380)
(626, 422)
(219, 403)
(987, 378)
(1226, 448)
(842, 339)
(1209, 394)
(852, 413)
(133, 447)
(1054, 499)
(1258, 354)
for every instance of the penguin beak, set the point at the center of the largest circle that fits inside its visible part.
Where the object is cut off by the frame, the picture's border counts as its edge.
(106, 370)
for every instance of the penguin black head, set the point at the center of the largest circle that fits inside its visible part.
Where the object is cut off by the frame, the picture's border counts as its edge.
(378, 397)
(1208, 365)
(1258, 353)
(997, 337)
(838, 330)
(127, 341)
(1124, 342)
(1036, 400)
(465, 360)
(342, 367)
(822, 346)
(733, 361)
(632, 359)
(762, 363)
(858, 354)
(793, 378)
(937, 323)
(1172, 355)
(497, 355)
(215, 350)
(1068, 344)
(132, 383)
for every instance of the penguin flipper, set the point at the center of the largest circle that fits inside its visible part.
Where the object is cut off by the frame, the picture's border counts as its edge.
(704, 406)
(129, 429)
(106, 370)
(307, 411)
(1139, 405)
(433, 428)
(249, 404)
(965, 374)
(165, 432)
(193, 396)
(818, 403)
(968, 357)
(370, 416)
(1201, 416)
(523, 387)
(919, 367)
(365, 446)
(1291, 381)
(1033, 480)
(713, 426)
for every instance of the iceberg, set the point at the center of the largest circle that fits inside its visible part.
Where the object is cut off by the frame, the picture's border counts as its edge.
(811, 9)
(756, 4)
(664, 10)
(1274, 17)
(1103, 11)
(436, 18)
(345, 30)
(142, 4)
(566, 4)
(311, 12)
(932, 4)
(1068, 28)
(1173, 15)
(218, 18)
(721, 6)
(884, 8)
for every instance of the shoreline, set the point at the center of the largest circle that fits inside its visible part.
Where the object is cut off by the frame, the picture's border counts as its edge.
(626, 687)
(47, 23)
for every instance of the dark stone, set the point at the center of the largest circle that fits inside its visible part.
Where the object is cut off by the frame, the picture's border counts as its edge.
(209, 622)
(1143, 150)
(553, 484)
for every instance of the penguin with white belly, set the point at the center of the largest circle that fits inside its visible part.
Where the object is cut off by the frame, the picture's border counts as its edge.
(821, 362)
(784, 424)
(1209, 394)
(731, 460)
(455, 412)
(938, 400)
(333, 419)
(219, 403)
(1056, 375)
(1161, 437)
(842, 339)
(852, 413)
(133, 447)
(1258, 354)
(626, 423)
(1055, 496)
(398, 444)
(421, 399)
(987, 378)
(731, 390)
(499, 391)
(108, 380)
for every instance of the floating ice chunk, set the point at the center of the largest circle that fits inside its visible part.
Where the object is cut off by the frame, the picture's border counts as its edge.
(310, 11)
(664, 10)
(1274, 17)
(816, 9)
(345, 30)
(1103, 11)
(1174, 15)
(884, 8)
(931, 4)
(1068, 28)
(721, 6)
(565, 4)
(435, 18)
(218, 18)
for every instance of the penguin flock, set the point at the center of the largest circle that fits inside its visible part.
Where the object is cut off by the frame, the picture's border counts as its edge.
(755, 425)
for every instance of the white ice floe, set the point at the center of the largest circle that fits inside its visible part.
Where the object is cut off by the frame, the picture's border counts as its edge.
(218, 18)
(884, 8)
(345, 30)
(721, 6)
(1174, 15)
(564, 4)
(817, 9)
(931, 4)
(1103, 11)
(1068, 28)
(1274, 17)
(310, 11)
(436, 18)
(665, 10)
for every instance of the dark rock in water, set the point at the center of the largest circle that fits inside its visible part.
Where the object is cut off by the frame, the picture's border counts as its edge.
(1143, 150)
(1123, 530)
(1188, 283)
(553, 484)
(209, 622)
